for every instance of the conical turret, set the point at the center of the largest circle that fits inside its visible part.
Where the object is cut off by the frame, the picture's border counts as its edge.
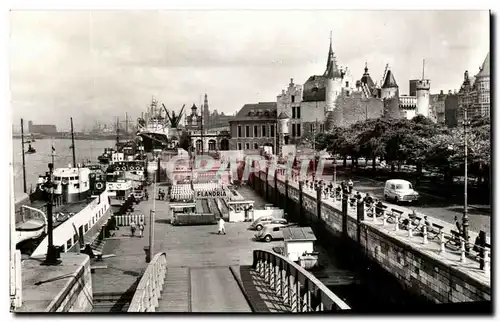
(332, 69)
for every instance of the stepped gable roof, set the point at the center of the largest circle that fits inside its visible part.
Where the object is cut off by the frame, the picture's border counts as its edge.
(389, 81)
(367, 79)
(259, 111)
(484, 70)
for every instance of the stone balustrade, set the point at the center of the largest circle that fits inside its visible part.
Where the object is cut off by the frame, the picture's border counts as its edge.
(298, 288)
(445, 267)
(150, 286)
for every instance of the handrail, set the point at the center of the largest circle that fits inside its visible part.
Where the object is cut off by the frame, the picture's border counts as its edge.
(307, 289)
(41, 214)
(150, 286)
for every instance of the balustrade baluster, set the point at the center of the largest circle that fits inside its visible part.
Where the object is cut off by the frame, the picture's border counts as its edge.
(486, 255)
(425, 240)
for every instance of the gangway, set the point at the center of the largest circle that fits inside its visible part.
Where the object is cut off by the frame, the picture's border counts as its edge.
(272, 284)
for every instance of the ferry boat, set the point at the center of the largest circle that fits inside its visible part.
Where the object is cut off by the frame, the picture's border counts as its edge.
(80, 207)
(154, 129)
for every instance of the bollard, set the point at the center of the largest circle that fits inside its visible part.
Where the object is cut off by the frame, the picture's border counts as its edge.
(374, 218)
(486, 266)
(425, 240)
(442, 243)
(384, 219)
(462, 250)
(410, 230)
(396, 224)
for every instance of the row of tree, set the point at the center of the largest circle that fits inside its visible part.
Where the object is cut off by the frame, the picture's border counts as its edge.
(419, 142)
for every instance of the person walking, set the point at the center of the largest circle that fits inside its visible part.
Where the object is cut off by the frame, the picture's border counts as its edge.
(222, 228)
(350, 185)
(133, 227)
(141, 229)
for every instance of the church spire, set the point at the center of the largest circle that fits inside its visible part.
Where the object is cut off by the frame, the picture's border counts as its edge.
(332, 69)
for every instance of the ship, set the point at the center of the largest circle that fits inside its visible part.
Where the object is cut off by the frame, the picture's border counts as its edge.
(153, 129)
(157, 130)
(80, 207)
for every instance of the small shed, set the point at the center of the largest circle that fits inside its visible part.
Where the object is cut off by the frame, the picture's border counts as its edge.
(298, 241)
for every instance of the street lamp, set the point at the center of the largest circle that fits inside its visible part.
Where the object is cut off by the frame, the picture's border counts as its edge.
(52, 257)
(466, 123)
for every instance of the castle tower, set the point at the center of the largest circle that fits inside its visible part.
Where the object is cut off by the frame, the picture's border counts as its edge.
(390, 88)
(423, 97)
(333, 79)
(206, 112)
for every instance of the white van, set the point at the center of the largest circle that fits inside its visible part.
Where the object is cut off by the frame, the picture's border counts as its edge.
(398, 190)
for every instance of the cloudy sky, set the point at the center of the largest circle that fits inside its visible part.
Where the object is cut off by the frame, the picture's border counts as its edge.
(101, 64)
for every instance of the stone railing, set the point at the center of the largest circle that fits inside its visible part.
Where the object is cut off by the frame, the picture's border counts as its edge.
(297, 287)
(150, 286)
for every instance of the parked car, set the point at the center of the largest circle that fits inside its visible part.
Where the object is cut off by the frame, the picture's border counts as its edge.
(260, 222)
(272, 232)
(398, 190)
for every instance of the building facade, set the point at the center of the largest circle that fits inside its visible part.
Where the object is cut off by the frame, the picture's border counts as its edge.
(41, 128)
(254, 126)
(474, 93)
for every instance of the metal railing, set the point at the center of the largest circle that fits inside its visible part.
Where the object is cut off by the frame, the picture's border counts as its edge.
(297, 288)
(389, 216)
(150, 286)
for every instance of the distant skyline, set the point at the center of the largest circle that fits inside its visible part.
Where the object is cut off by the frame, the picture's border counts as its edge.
(101, 64)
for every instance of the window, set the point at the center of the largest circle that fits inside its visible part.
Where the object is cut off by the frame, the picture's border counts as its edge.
(276, 229)
(313, 127)
(239, 131)
(76, 178)
(321, 127)
(298, 112)
(75, 238)
(255, 146)
(293, 130)
(298, 130)
(68, 244)
(293, 112)
(272, 130)
(86, 228)
(293, 98)
(239, 146)
(247, 131)
(263, 131)
(255, 130)
(247, 146)
(346, 84)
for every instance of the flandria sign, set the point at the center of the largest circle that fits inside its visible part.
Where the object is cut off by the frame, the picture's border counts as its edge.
(212, 194)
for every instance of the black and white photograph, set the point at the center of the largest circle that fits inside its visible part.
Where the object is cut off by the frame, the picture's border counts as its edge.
(250, 161)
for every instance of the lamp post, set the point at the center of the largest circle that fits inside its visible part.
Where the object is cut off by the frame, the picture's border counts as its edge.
(52, 257)
(466, 123)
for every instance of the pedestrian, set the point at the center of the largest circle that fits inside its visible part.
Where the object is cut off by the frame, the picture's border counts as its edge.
(350, 185)
(458, 224)
(133, 227)
(222, 229)
(141, 229)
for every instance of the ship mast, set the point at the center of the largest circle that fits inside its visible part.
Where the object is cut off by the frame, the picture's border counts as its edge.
(24, 161)
(73, 143)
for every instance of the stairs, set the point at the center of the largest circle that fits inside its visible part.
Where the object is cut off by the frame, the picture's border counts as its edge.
(111, 302)
(176, 293)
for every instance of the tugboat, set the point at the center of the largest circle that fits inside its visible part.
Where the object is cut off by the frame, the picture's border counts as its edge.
(30, 150)
(105, 157)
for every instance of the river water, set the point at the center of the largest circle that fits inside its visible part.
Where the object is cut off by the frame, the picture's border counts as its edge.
(37, 163)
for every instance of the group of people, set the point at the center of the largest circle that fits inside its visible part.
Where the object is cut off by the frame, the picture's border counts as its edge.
(134, 227)
(161, 194)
